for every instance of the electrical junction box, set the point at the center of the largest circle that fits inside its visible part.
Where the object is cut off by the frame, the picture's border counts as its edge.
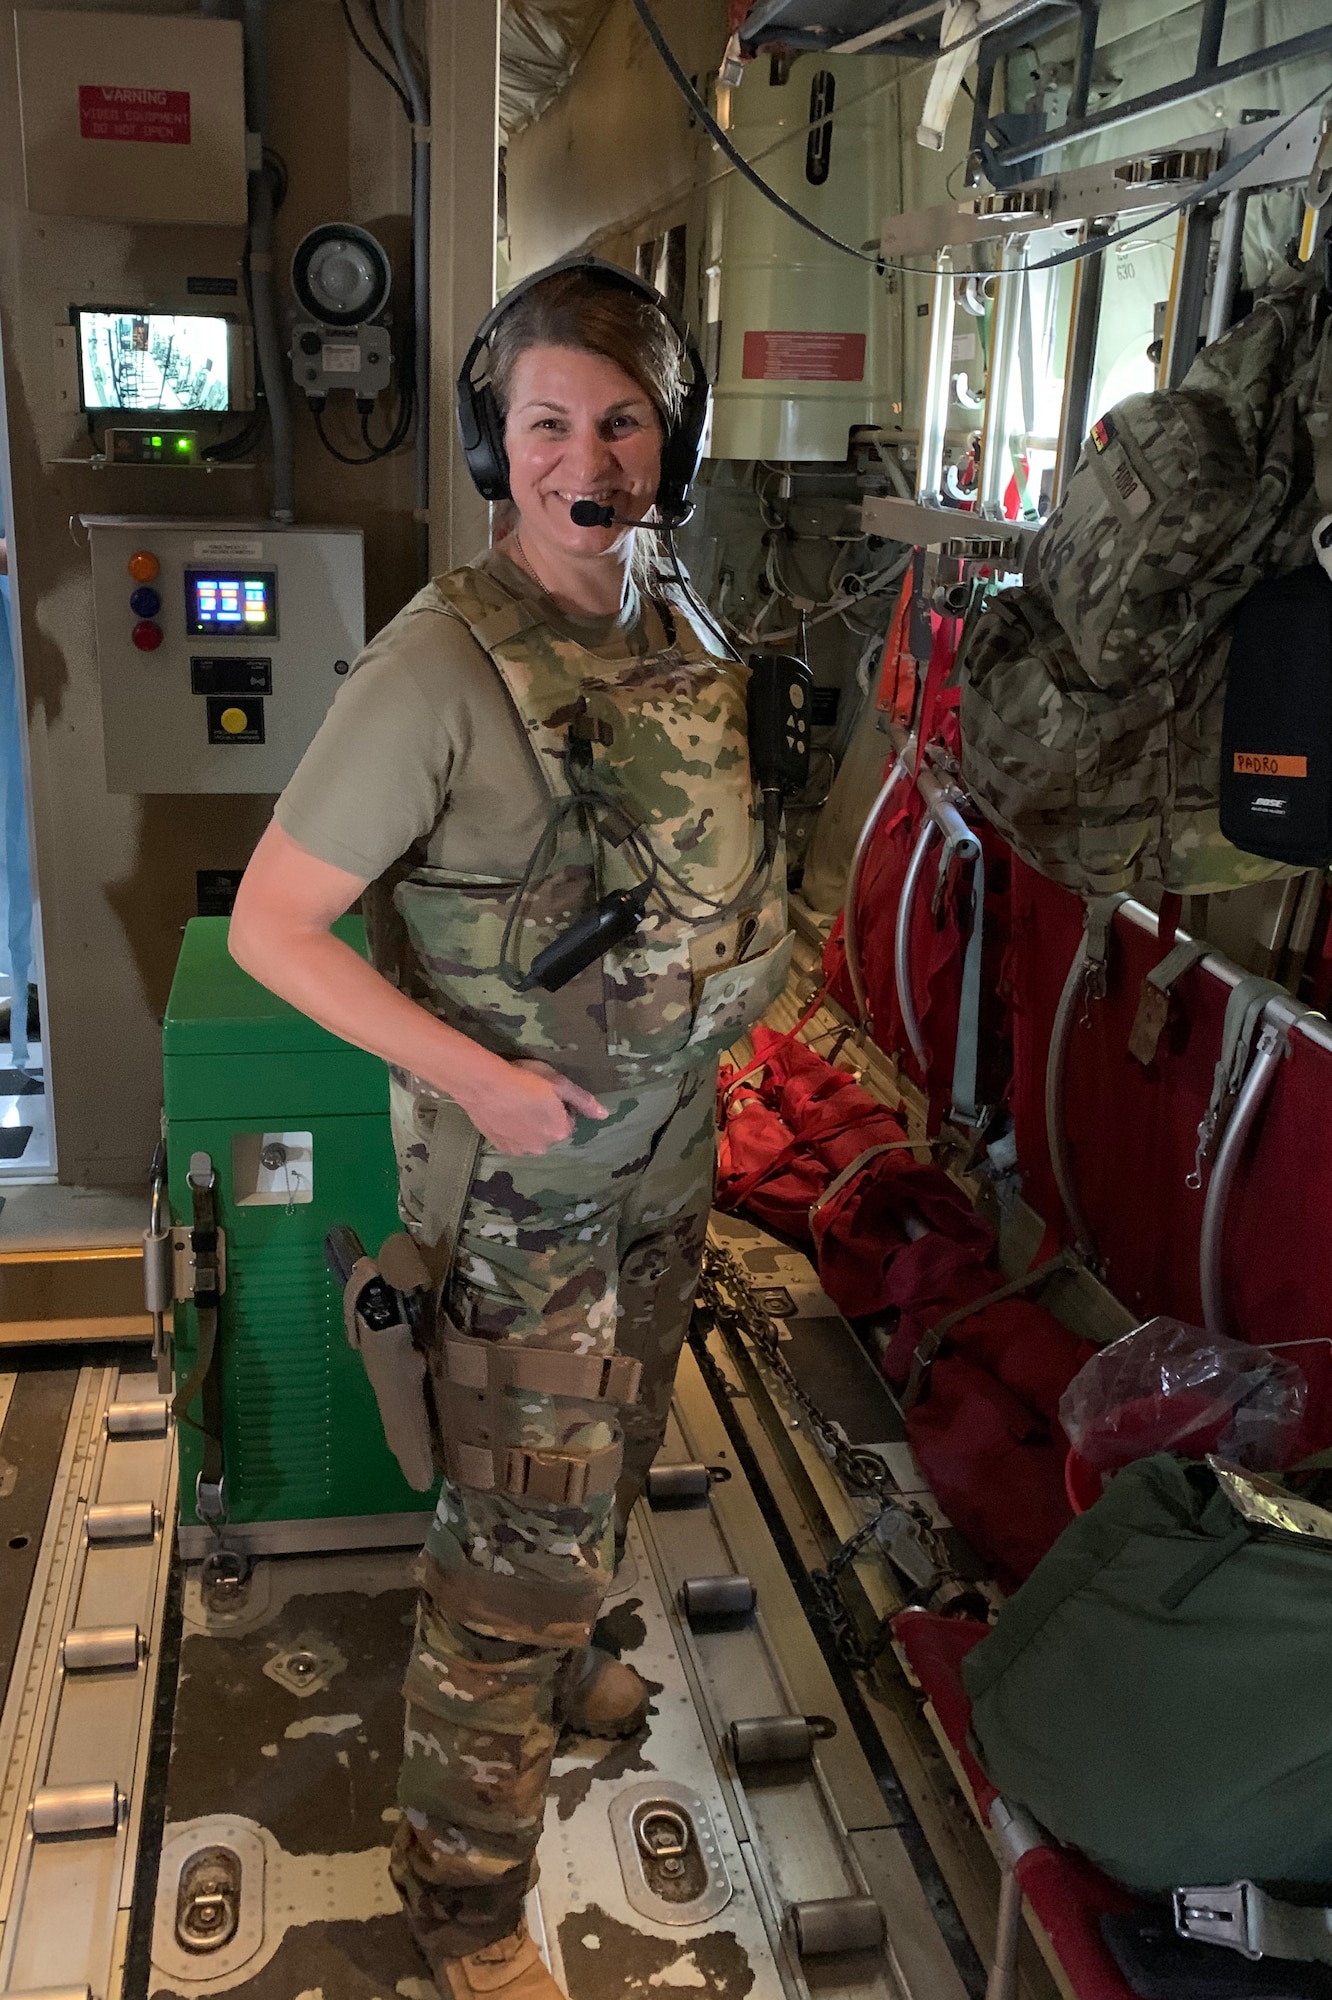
(219, 646)
(323, 358)
(296, 1125)
(132, 117)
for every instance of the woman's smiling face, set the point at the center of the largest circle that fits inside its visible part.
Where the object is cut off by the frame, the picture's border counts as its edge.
(578, 428)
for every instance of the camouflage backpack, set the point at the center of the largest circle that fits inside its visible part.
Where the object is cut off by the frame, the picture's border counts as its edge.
(1092, 695)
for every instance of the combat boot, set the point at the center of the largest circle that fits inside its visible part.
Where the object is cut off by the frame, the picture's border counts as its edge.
(513, 1969)
(598, 1695)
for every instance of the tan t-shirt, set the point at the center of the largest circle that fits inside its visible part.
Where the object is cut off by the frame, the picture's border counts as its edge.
(423, 749)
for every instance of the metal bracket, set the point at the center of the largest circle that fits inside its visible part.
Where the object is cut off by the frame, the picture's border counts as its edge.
(182, 1262)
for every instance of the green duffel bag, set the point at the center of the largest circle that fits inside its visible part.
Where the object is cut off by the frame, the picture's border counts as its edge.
(1159, 1691)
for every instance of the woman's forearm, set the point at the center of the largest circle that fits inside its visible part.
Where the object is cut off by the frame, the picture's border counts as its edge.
(335, 986)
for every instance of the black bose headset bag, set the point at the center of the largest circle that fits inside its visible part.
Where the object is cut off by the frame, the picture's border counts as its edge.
(1276, 740)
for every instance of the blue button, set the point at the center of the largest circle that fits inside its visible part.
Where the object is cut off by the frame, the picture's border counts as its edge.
(145, 602)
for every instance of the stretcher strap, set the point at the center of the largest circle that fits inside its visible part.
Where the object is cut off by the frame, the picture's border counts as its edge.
(1245, 1918)
(547, 1478)
(490, 1365)
(1154, 1005)
(930, 1342)
(1100, 917)
(205, 1378)
(966, 1054)
(1244, 1010)
(861, 1161)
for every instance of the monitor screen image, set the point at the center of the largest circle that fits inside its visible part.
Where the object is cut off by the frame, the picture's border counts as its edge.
(154, 361)
(239, 603)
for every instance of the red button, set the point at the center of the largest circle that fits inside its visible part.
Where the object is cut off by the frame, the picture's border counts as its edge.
(143, 566)
(147, 635)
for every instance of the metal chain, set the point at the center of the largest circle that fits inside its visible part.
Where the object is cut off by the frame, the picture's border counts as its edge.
(726, 1292)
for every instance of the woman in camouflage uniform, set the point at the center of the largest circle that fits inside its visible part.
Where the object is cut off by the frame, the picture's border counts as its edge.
(541, 729)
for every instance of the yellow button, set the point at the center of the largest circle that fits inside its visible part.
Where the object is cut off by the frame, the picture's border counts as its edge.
(235, 721)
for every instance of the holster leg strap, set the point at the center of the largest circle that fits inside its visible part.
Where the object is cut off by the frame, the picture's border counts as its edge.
(490, 1365)
(547, 1478)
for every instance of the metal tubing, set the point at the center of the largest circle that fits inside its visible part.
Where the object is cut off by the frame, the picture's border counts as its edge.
(1002, 1982)
(1210, 30)
(1187, 295)
(996, 469)
(1055, 1140)
(1085, 60)
(420, 276)
(1226, 276)
(1262, 1074)
(946, 815)
(849, 936)
(1298, 49)
(267, 342)
(902, 939)
(1085, 320)
(938, 384)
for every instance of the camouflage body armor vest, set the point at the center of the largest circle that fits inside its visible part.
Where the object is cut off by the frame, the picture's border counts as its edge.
(660, 746)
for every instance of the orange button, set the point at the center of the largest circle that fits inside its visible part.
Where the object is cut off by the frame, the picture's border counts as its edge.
(143, 566)
(234, 720)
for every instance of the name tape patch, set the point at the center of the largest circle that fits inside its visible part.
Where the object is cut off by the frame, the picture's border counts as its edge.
(1261, 764)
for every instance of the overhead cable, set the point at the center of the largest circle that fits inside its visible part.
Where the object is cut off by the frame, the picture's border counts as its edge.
(1073, 255)
(732, 152)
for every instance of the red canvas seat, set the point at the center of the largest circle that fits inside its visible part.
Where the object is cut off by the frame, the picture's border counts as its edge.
(1069, 1896)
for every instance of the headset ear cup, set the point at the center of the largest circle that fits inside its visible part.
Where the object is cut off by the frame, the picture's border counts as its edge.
(683, 445)
(492, 424)
(481, 434)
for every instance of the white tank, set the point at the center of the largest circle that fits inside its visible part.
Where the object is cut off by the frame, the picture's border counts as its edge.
(806, 341)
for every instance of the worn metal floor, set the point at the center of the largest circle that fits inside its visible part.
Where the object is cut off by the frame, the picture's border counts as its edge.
(284, 1757)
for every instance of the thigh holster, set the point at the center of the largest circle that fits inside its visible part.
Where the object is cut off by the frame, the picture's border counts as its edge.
(470, 1383)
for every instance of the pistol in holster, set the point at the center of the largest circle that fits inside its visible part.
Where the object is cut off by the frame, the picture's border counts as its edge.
(382, 1302)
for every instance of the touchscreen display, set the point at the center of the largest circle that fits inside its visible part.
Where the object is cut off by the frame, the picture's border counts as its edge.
(243, 602)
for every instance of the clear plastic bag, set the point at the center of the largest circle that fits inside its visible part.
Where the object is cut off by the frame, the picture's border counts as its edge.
(1171, 1387)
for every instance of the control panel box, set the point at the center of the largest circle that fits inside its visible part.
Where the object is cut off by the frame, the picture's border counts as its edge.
(219, 646)
(132, 117)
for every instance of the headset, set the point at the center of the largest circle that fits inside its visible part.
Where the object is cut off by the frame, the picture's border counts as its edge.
(481, 425)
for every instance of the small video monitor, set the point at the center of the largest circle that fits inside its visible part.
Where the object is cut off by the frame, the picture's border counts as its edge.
(231, 603)
(158, 361)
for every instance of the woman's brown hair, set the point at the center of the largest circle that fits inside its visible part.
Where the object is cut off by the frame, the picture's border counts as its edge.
(581, 310)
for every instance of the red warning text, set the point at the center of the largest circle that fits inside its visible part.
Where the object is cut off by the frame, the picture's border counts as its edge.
(143, 117)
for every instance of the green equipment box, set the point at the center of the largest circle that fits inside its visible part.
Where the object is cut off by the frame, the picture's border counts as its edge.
(296, 1125)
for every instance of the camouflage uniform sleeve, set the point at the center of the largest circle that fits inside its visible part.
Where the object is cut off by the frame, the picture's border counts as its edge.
(376, 777)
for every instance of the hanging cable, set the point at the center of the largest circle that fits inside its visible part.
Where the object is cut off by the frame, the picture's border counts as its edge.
(692, 598)
(732, 152)
(1074, 255)
(373, 59)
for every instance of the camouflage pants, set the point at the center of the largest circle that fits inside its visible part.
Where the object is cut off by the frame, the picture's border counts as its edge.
(591, 1248)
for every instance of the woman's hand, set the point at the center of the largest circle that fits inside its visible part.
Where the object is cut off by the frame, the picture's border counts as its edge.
(529, 1108)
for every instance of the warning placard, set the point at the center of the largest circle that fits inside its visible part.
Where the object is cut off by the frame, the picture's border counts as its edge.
(804, 357)
(148, 117)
